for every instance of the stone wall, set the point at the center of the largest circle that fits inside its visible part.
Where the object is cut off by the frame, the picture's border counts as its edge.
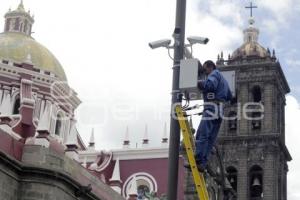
(47, 175)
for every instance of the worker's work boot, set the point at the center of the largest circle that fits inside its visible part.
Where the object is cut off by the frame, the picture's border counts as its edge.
(200, 167)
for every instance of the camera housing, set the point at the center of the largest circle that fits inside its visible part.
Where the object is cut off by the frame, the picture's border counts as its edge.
(196, 39)
(160, 43)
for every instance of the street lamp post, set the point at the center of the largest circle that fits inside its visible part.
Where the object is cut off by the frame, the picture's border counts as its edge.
(180, 50)
(179, 34)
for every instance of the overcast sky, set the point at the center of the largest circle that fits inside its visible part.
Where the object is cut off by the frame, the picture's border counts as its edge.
(103, 47)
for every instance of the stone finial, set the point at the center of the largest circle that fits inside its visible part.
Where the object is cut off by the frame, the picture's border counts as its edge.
(165, 135)
(92, 140)
(268, 51)
(126, 142)
(221, 59)
(115, 180)
(21, 6)
(273, 54)
(132, 193)
(145, 138)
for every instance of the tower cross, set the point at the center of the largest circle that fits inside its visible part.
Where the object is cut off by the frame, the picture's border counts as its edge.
(251, 8)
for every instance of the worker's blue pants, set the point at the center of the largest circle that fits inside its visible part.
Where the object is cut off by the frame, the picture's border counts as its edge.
(206, 136)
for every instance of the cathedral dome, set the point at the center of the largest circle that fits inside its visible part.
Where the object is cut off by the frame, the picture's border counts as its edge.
(17, 46)
(16, 43)
(250, 48)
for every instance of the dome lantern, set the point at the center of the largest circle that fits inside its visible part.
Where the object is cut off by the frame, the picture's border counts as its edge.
(250, 48)
(18, 20)
(16, 44)
(251, 33)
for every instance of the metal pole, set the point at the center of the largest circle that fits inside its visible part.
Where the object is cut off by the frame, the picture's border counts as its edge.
(179, 34)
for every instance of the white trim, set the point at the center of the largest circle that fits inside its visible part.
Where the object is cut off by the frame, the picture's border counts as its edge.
(141, 153)
(89, 156)
(128, 154)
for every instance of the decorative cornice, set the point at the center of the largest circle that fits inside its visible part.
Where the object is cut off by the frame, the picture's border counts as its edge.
(141, 153)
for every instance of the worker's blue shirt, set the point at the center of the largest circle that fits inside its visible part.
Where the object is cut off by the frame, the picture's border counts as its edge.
(216, 88)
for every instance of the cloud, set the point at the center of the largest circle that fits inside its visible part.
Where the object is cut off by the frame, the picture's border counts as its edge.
(220, 21)
(293, 62)
(292, 141)
(281, 9)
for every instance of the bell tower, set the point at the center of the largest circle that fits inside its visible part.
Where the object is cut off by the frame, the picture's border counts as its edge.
(252, 136)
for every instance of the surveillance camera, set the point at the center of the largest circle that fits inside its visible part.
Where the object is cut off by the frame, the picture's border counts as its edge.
(160, 43)
(195, 39)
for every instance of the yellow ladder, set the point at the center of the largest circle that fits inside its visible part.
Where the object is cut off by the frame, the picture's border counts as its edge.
(189, 146)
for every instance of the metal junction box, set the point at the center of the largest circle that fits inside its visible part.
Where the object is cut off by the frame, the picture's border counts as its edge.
(189, 76)
(188, 79)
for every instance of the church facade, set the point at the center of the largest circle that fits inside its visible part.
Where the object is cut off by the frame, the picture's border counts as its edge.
(252, 139)
(39, 142)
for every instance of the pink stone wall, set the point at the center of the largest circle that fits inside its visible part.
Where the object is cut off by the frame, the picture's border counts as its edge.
(158, 168)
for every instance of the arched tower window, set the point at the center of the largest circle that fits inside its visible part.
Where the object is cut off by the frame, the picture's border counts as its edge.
(16, 108)
(232, 177)
(256, 93)
(256, 122)
(256, 96)
(58, 125)
(232, 123)
(25, 26)
(7, 24)
(256, 183)
(17, 24)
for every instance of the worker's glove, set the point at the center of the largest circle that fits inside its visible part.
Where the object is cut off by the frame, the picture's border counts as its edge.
(201, 84)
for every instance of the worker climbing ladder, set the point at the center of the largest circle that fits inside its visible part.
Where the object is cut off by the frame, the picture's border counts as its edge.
(189, 146)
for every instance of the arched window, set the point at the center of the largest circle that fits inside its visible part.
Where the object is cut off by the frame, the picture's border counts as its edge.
(232, 177)
(16, 108)
(58, 125)
(232, 123)
(25, 26)
(256, 122)
(256, 93)
(17, 24)
(7, 25)
(256, 182)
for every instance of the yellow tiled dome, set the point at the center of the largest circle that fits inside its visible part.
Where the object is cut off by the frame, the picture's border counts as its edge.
(17, 47)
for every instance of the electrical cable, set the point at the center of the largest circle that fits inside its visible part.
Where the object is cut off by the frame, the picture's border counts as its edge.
(170, 54)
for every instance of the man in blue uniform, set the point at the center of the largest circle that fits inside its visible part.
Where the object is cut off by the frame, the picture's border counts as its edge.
(215, 93)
